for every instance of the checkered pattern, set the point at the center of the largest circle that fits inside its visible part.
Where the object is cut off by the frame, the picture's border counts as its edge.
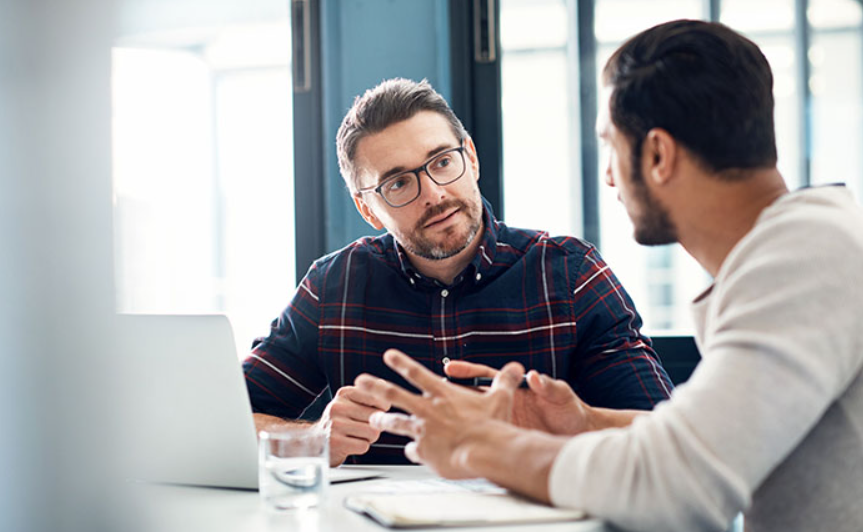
(550, 303)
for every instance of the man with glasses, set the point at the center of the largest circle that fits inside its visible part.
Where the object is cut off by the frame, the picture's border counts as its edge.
(447, 283)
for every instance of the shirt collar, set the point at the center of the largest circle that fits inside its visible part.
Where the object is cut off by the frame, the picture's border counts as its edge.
(477, 268)
(487, 249)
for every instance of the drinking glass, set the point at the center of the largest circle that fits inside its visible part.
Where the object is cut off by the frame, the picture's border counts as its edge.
(293, 467)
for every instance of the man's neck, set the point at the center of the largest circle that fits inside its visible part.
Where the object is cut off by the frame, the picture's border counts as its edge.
(724, 213)
(446, 270)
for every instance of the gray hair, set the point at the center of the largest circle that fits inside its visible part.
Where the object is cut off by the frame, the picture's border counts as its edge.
(392, 101)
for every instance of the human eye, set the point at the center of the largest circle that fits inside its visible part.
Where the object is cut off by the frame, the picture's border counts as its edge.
(442, 161)
(398, 182)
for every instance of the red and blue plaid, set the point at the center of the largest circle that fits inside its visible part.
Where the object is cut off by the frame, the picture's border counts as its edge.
(550, 303)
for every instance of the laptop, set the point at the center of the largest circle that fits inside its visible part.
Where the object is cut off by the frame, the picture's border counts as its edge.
(189, 417)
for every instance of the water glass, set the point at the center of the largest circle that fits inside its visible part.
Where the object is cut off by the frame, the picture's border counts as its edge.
(293, 467)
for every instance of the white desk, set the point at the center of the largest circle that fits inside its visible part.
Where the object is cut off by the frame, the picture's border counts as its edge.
(181, 509)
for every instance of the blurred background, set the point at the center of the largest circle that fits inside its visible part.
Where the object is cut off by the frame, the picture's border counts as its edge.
(177, 156)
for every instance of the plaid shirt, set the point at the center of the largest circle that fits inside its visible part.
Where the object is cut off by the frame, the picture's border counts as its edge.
(550, 303)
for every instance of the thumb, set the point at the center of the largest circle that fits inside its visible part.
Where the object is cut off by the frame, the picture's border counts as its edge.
(552, 390)
(508, 378)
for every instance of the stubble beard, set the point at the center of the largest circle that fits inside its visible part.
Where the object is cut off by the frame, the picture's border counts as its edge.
(654, 227)
(452, 243)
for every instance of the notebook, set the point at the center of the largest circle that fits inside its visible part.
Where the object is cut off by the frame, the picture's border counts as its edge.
(455, 509)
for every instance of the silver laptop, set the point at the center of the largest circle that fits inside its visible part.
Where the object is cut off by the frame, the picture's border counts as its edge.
(189, 417)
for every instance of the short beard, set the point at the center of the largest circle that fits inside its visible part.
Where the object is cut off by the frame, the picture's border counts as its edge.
(654, 227)
(427, 249)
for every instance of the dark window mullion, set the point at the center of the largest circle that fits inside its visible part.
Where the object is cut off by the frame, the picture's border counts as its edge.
(309, 213)
(587, 99)
(476, 94)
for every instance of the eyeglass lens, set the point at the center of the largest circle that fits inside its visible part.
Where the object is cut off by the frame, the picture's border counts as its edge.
(443, 169)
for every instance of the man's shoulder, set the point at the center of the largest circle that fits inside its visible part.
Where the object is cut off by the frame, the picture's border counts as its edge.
(524, 241)
(367, 254)
(364, 249)
(812, 223)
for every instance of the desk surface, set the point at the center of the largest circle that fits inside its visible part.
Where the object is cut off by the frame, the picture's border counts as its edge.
(181, 508)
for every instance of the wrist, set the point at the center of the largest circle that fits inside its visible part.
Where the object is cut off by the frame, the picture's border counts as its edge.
(594, 419)
(605, 418)
(480, 446)
(493, 448)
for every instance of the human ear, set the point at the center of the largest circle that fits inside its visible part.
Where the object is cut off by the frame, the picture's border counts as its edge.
(366, 212)
(472, 159)
(659, 155)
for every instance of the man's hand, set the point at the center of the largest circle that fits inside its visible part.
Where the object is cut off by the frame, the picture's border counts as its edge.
(549, 405)
(347, 418)
(446, 417)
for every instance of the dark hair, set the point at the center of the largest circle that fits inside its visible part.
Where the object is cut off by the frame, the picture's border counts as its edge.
(392, 101)
(708, 86)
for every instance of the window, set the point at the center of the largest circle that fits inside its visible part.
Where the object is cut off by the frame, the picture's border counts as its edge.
(539, 117)
(202, 163)
(818, 86)
(836, 85)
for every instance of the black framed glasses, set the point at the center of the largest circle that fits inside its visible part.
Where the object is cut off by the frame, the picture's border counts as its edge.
(403, 188)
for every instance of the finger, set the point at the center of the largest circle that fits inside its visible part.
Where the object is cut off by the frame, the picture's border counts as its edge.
(553, 390)
(354, 429)
(342, 446)
(363, 398)
(534, 382)
(411, 452)
(509, 378)
(461, 369)
(400, 424)
(359, 412)
(414, 372)
(343, 406)
(393, 394)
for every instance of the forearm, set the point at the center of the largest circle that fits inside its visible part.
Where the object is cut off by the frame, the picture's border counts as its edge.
(517, 459)
(606, 418)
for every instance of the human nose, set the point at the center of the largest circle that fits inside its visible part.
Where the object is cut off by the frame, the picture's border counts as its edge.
(608, 176)
(430, 190)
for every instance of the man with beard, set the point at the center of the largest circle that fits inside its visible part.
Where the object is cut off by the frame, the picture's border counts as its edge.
(447, 282)
(771, 421)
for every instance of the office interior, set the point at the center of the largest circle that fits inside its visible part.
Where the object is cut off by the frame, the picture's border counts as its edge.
(179, 157)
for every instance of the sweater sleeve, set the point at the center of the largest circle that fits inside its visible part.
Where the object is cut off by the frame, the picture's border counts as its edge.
(777, 352)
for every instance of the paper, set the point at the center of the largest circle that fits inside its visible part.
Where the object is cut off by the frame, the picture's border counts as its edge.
(434, 485)
(455, 508)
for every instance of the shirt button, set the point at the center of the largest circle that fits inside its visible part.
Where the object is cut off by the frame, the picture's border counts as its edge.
(444, 292)
(478, 276)
(445, 361)
(412, 281)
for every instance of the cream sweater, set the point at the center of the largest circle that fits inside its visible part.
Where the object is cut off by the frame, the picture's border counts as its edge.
(771, 421)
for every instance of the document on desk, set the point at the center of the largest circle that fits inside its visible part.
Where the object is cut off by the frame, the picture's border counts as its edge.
(442, 503)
